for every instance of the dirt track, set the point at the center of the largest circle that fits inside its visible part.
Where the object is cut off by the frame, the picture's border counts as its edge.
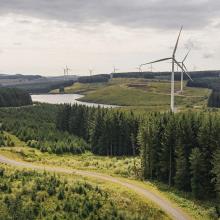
(174, 212)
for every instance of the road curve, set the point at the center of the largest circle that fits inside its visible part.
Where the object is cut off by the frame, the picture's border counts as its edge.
(167, 206)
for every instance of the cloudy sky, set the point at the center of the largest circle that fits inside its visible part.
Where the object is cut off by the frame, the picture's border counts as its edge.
(41, 36)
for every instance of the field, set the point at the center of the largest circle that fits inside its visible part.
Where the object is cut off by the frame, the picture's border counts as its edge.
(140, 93)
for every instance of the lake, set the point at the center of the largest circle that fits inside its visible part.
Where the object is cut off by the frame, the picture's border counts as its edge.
(65, 99)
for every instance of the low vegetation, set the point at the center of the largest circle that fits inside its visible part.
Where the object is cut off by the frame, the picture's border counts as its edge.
(31, 195)
(120, 166)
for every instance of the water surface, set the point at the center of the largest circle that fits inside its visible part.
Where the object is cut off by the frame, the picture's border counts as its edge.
(65, 99)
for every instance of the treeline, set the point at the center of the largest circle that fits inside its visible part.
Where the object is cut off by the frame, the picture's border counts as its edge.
(214, 99)
(210, 83)
(36, 126)
(19, 76)
(94, 79)
(183, 150)
(42, 87)
(14, 97)
(166, 75)
(109, 131)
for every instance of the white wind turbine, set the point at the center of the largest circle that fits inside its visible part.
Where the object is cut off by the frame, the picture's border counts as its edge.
(112, 73)
(184, 67)
(174, 61)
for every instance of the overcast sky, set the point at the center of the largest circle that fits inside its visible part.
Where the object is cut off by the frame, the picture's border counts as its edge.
(41, 36)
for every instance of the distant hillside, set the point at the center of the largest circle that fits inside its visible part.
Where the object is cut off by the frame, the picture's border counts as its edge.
(35, 83)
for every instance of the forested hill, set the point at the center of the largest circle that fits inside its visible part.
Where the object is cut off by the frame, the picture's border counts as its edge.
(11, 97)
(166, 75)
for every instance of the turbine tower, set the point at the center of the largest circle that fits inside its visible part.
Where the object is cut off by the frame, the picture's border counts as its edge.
(90, 72)
(174, 61)
(64, 76)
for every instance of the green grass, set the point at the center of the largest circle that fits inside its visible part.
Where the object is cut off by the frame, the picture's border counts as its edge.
(141, 93)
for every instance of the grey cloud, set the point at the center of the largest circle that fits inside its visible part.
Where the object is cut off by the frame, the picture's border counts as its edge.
(139, 13)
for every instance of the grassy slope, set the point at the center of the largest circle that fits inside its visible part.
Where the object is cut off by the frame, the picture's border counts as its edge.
(139, 92)
(199, 210)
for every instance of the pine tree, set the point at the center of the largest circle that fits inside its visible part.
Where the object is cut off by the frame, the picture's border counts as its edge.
(209, 140)
(182, 173)
(197, 171)
(167, 161)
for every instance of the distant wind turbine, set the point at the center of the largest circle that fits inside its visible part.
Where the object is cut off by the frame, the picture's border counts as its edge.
(90, 72)
(174, 61)
(139, 69)
(184, 67)
(114, 71)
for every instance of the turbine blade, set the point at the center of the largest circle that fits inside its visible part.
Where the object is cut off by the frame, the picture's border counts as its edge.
(187, 72)
(177, 42)
(156, 61)
(186, 55)
(177, 63)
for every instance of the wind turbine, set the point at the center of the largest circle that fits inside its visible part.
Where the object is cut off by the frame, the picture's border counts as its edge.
(67, 70)
(114, 71)
(174, 61)
(139, 69)
(64, 71)
(184, 67)
(90, 72)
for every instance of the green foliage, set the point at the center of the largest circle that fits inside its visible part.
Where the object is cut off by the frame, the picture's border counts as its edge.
(36, 126)
(216, 170)
(178, 149)
(35, 195)
(11, 97)
(206, 82)
(5, 140)
(197, 172)
(108, 131)
(214, 99)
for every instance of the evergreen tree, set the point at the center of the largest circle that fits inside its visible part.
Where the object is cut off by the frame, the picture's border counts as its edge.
(197, 162)
(167, 162)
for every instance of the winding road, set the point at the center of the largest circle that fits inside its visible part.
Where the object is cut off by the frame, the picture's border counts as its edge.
(168, 207)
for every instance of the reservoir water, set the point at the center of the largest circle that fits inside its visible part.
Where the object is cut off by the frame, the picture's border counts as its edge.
(65, 99)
